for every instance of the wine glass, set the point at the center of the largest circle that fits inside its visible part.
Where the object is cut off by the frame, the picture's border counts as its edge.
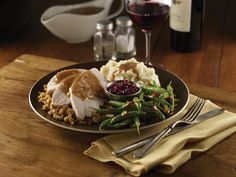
(148, 15)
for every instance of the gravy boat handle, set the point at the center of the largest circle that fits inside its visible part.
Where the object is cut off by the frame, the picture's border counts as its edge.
(122, 5)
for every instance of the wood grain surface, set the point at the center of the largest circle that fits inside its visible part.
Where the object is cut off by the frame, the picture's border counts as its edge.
(31, 147)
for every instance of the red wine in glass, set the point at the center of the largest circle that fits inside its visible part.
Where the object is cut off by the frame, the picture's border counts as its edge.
(148, 15)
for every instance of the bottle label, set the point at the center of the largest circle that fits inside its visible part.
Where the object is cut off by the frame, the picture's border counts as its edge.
(180, 15)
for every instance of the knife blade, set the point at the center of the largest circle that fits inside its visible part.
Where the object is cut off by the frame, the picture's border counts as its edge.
(136, 145)
(200, 118)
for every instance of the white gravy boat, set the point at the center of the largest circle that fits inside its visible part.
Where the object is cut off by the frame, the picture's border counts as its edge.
(77, 23)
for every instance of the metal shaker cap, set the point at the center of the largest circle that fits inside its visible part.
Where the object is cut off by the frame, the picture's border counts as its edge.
(124, 21)
(104, 25)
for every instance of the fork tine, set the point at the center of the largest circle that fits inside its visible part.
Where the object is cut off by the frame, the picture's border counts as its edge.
(189, 112)
(197, 112)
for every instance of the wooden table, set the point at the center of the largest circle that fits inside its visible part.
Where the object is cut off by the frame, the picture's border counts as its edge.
(31, 147)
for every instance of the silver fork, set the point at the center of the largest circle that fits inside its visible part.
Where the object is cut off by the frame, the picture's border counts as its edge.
(190, 116)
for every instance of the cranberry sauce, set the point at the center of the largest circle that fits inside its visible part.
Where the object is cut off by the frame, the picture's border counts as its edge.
(123, 87)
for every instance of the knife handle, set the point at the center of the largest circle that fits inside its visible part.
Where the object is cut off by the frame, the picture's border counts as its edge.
(140, 153)
(132, 147)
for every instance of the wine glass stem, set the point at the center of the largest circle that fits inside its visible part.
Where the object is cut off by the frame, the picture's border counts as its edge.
(148, 47)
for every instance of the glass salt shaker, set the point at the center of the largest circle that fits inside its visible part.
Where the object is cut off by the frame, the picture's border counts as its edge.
(125, 38)
(104, 41)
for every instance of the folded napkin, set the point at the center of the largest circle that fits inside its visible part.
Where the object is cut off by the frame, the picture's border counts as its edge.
(172, 151)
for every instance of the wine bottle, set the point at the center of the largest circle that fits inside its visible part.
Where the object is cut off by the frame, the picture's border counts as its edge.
(186, 18)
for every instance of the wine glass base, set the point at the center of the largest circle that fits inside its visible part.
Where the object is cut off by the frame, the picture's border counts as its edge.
(148, 63)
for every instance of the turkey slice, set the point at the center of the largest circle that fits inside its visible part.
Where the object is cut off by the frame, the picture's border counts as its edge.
(55, 80)
(61, 96)
(87, 91)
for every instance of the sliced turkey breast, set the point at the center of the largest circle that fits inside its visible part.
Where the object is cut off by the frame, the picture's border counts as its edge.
(87, 93)
(61, 96)
(55, 80)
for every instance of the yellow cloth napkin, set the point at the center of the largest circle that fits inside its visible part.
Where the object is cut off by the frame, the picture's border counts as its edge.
(172, 151)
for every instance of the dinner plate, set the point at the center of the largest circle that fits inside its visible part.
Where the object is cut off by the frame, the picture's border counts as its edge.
(180, 89)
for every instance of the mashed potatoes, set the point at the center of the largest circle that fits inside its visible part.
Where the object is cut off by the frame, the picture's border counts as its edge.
(131, 70)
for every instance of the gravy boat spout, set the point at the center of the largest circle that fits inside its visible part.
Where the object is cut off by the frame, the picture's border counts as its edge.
(77, 23)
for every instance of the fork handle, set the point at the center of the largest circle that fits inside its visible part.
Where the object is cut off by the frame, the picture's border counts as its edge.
(141, 152)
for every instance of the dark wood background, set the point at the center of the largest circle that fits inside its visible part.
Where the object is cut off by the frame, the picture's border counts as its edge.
(213, 65)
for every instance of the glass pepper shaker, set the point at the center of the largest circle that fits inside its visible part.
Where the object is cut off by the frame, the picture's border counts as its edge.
(125, 38)
(104, 41)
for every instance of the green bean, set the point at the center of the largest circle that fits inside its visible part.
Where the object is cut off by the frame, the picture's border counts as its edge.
(153, 112)
(147, 103)
(171, 96)
(138, 105)
(117, 118)
(105, 123)
(122, 124)
(121, 116)
(159, 113)
(114, 120)
(109, 115)
(137, 124)
(163, 105)
(141, 96)
(150, 89)
(111, 110)
(116, 103)
(166, 109)
(161, 101)
(114, 110)
(164, 95)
